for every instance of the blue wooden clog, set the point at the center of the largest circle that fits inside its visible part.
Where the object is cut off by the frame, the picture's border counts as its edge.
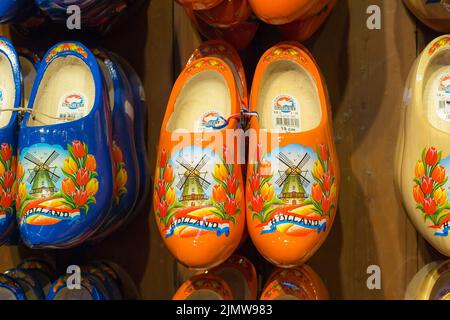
(66, 185)
(66, 288)
(10, 289)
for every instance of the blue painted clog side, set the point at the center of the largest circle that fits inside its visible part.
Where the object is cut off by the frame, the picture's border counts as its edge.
(12, 286)
(65, 220)
(140, 121)
(127, 171)
(87, 282)
(8, 139)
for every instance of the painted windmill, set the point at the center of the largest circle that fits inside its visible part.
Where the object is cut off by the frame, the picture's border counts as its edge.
(193, 182)
(292, 180)
(42, 177)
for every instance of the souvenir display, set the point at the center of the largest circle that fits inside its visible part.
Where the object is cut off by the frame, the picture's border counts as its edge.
(300, 283)
(423, 160)
(293, 182)
(433, 13)
(432, 282)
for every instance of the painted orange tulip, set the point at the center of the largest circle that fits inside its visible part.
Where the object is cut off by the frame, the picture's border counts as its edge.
(418, 194)
(22, 190)
(2, 170)
(19, 171)
(92, 187)
(219, 194)
(80, 197)
(265, 169)
(230, 206)
(232, 184)
(91, 163)
(117, 154)
(420, 170)
(316, 192)
(6, 200)
(68, 187)
(6, 151)
(438, 174)
(8, 179)
(323, 152)
(163, 159)
(257, 203)
(255, 182)
(82, 177)
(429, 206)
(427, 185)
(168, 174)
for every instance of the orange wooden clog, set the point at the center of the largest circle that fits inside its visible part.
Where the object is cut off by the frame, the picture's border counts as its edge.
(198, 194)
(204, 287)
(300, 283)
(303, 29)
(240, 274)
(227, 14)
(434, 14)
(223, 50)
(282, 12)
(199, 4)
(293, 171)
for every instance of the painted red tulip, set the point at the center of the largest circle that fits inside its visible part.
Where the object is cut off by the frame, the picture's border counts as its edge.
(163, 207)
(6, 151)
(80, 197)
(82, 177)
(316, 192)
(257, 203)
(231, 184)
(327, 181)
(438, 174)
(429, 206)
(6, 200)
(427, 185)
(230, 206)
(431, 156)
(8, 179)
(161, 188)
(117, 154)
(323, 152)
(326, 204)
(78, 148)
(163, 159)
(418, 194)
(255, 182)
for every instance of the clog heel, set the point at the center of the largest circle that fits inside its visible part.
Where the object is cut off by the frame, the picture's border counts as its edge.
(293, 171)
(123, 144)
(10, 98)
(422, 177)
(198, 195)
(65, 163)
(300, 283)
(204, 287)
(430, 283)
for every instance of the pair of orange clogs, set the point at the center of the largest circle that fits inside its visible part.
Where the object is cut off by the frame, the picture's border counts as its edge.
(231, 19)
(236, 279)
(283, 134)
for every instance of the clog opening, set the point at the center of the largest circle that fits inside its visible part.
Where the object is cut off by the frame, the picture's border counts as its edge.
(7, 90)
(204, 294)
(28, 74)
(236, 75)
(237, 283)
(436, 91)
(109, 82)
(6, 294)
(73, 294)
(288, 99)
(28, 289)
(66, 92)
(441, 288)
(203, 103)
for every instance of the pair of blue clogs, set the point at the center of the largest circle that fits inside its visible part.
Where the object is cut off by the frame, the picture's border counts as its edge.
(73, 172)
